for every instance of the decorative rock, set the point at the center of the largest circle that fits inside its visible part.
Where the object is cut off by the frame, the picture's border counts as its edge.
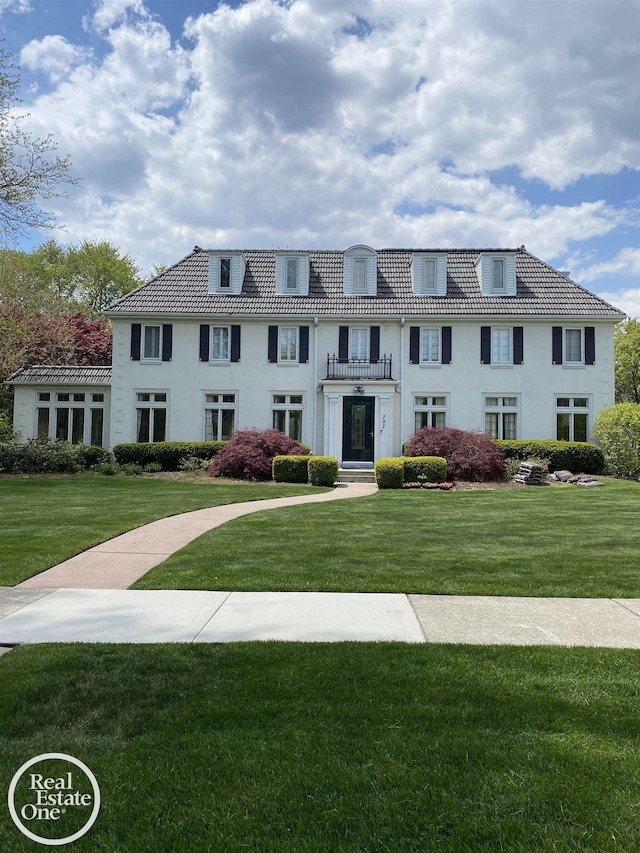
(529, 474)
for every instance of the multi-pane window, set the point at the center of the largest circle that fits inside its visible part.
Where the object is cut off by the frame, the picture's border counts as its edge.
(430, 411)
(287, 414)
(572, 418)
(220, 343)
(359, 344)
(151, 343)
(219, 416)
(500, 346)
(573, 346)
(288, 344)
(430, 348)
(73, 416)
(151, 416)
(501, 416)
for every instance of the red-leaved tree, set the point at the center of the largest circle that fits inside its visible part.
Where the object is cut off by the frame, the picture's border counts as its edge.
(470, 456)
(250, 453)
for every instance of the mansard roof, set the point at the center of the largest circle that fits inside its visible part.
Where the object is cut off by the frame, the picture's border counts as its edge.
(182, 290)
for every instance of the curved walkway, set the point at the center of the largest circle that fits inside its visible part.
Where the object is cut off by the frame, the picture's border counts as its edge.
(85, 599)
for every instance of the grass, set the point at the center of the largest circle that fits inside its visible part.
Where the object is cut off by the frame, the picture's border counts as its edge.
(279, 748)
(45, 520)
(553, 541)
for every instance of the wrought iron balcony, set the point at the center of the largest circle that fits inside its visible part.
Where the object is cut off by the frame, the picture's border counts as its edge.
(358, 369)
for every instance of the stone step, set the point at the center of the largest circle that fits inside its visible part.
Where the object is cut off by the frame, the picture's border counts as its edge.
(356, 475)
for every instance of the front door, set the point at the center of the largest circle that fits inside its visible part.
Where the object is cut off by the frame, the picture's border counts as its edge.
(357, 429)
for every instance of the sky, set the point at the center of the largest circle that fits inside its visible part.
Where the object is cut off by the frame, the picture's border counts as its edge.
(319, 124)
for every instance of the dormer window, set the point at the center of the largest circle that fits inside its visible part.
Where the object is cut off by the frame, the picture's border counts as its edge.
(429, 273)
(292, 273)
(496, 273)
(226, 272)
(360, 271)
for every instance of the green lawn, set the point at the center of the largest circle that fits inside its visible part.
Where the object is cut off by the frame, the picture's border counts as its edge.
(44, 520)
(283, 748)
(549, 541)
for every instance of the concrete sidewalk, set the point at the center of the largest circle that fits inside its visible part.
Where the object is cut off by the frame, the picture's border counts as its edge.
(186, 616)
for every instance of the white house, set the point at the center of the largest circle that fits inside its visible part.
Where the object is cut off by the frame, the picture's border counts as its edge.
(348, 351)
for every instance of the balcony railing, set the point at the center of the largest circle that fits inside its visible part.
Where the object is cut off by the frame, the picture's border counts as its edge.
(358, 369)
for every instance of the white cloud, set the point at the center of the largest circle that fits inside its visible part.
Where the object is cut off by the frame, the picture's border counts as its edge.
(627, 300)
(626, 262)
(295, 123)
(54, 55)
(17, 6)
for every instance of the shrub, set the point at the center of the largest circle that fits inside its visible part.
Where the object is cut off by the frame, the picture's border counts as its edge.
(167, 454)
(617, 430)
(41, 456)
(93, 456)
(130, 469)
(189, 464)
(6, 430)
(470, 455)
(106, 468)
(431, 469)
(250, 453)
(290, 469)
(577, 456)
(389, 472)
(323, 470)
(154, 468)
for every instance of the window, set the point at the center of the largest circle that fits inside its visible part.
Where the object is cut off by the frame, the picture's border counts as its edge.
(225, 273)
(501, 416)
(430, 411)
(292, 273)
(287, 414)
(71, 417)
(498, 274)
(220, 343)
(288, 351)
(430, 348)
(573, 346)
(151, 343)
(572, 418)
(501, 346)
(219, 416)
(359, 275)
(151, 419)
(430, 281)
(359, 343)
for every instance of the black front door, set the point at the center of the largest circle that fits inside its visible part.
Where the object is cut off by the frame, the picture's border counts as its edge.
(357, 429)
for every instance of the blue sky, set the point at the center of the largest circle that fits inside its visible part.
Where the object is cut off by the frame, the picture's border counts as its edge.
(324, 123)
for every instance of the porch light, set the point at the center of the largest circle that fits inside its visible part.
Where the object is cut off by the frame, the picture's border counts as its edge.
(359, 389)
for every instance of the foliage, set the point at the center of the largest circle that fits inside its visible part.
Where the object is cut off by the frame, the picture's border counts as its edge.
(627, 360)
(168, 454)
(44, 456)
(470, 456)
(156, 467)
(323, 470)
(617, 430)
(30, 169)
(431, 469)
(6, 430)
(576, 456)
(250, 453)
(290, 469)
(389, 472)
(130, 469)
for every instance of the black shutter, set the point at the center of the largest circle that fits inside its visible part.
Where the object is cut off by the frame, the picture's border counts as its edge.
(167, 341)
(556, 344)
(136, 335)
(343, 343)
(272, 347)
(204, 343)
(303, 355)
(235, 343)
(518, 344)
(374, 344)
(590, 345)
(485, 344)
(414, 345)
(446, 344)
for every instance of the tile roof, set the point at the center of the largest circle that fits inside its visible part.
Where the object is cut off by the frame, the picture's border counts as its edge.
(182, 289)
(68, 374)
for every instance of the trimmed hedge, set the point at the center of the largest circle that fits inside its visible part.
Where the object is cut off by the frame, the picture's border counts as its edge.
(323, 470)
(290, 469)
(579, 457)
(389, 472)
(168, 454)
(433, 469)
(44, 456)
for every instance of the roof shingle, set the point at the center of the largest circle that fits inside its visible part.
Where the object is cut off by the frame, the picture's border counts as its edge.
(67, 374)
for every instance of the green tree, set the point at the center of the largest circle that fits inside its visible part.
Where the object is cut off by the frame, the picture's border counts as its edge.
(617, 431)
(30, 169)
(627, 361)
(99, 274)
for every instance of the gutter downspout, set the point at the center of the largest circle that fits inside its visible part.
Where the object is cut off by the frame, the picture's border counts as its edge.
(401, 380)
(314, 429)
